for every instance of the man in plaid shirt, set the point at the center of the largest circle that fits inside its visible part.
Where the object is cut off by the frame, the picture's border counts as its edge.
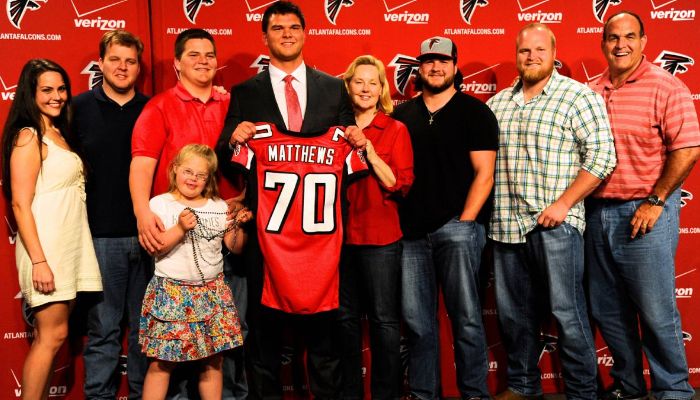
(555, 148)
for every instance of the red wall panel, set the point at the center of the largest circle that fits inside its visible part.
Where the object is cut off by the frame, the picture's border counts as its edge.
(68, 31)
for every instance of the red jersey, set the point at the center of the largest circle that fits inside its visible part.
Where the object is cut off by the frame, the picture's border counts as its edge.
(298, 216)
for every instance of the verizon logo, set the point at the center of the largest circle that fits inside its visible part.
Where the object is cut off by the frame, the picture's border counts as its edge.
(101, 24)
(674, 15)
(541, 17)
(408, 18)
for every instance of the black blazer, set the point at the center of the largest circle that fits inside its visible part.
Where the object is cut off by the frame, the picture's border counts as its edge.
(327, 105)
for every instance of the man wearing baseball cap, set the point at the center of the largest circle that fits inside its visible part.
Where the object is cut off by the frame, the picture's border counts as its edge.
(455, 139)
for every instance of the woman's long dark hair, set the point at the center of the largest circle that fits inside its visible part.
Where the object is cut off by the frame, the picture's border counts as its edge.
(24, 113)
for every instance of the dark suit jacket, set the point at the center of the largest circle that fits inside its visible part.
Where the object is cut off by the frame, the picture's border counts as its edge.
(327, 105)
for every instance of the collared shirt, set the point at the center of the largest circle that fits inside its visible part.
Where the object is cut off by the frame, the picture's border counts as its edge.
(103, 128)
(545, 142)
(373, 215)
(651, 114)
(174, 119)
(278, 84)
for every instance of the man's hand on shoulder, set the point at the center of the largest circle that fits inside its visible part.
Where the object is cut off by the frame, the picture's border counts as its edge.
(243, 132)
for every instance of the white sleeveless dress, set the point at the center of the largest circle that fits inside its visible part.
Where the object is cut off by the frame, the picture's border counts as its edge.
(61, 222)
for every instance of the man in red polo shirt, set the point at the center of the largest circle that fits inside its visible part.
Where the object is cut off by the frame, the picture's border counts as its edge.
(192, 111)
(632, 219)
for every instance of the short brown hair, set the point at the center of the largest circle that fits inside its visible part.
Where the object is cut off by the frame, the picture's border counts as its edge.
(122, 38)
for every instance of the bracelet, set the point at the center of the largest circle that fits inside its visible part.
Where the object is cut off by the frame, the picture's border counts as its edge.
(38, 262)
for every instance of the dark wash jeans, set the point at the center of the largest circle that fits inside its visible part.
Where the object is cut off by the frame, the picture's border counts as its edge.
(126, 270)
(545, 275)
(370, 278)
(450, 256)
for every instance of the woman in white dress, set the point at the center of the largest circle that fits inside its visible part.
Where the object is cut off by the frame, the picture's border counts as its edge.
(43, 180)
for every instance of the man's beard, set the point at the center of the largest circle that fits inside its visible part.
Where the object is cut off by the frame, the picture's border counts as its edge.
(534, 76)
(448, 83)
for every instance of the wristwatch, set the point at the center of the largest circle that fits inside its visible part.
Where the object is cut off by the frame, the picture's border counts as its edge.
(654, 200)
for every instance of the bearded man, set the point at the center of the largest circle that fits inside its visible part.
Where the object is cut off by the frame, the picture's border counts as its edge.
(556, 147)
(455, 139)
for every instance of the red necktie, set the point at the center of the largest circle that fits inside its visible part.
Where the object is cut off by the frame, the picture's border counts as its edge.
(293, 108)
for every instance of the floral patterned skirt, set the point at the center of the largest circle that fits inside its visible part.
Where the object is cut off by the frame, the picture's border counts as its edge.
(183, 321)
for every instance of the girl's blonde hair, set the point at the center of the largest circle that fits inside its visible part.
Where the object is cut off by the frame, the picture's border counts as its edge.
(211, 189)
(384, 104)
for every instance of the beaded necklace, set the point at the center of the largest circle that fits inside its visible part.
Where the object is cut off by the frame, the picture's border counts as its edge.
(200, 231)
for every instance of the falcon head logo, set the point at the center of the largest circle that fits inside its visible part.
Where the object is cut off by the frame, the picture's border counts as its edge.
(94, 73)
(332, 8)
(17, 8)
(121, 367)
(262, 63)
(27, 313)
(600, 7)
(548, 343)
(467, 7)
(287, 355)
(192, 8)
(432, 42)
(686, 196)
(405, 67)
(687, 337)
(674, 63)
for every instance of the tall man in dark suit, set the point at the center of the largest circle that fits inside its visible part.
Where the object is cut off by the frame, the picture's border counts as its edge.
(320, 102)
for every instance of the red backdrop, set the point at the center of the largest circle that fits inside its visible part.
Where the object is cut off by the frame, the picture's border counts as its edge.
(68, 32)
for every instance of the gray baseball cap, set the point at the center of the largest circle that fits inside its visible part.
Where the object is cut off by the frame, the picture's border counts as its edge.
(437, 46)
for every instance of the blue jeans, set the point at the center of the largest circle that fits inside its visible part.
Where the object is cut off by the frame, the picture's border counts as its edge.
(633, 280)
(235, 383)
(451, 255)
(533, 279)
(370, 278)
(126, 270)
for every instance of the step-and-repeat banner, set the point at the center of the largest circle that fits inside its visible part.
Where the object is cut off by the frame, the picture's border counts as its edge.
(68, 32)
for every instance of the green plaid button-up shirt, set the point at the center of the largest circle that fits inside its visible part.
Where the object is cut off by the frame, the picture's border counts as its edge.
(543, 144)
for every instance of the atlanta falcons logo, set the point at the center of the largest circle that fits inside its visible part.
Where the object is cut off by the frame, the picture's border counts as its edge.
(122, 364)
(94, 73)
(332, 8)
(675, 63)
(687, 337)
(262, 63)
(467, 8)
(27, 313)
(686, 196)
(558, 64)
(600, 7)
(405, 68)
(548, 343)
(17, 8)
(192, 7)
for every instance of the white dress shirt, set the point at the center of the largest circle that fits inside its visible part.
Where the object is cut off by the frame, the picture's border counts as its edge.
(299, 83)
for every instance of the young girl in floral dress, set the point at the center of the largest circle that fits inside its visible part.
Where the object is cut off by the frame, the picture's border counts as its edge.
(188, 311)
